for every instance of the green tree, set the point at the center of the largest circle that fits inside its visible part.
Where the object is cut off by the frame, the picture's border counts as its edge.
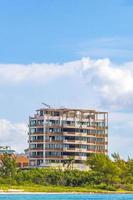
(121, 164)
(104, 168)
(129, 172)
(8, 166)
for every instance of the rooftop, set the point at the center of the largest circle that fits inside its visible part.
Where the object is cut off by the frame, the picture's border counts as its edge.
(72, 109)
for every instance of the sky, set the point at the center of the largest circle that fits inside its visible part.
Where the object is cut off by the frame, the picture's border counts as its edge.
(70, 53)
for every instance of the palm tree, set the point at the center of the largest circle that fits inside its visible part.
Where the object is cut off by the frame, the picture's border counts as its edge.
(69, 162)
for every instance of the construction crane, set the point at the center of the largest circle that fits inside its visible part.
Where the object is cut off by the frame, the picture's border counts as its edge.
(46, 105)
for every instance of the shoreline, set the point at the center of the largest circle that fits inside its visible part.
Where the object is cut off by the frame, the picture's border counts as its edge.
(15, 192)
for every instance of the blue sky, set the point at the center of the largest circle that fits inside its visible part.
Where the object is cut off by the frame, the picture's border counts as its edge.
(75, 53)
(60, 30)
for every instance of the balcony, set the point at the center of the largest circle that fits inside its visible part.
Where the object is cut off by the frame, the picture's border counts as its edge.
(54, 157)
(53, 125)
(36, 141)
(54, 141)
(80, 142)
(36, 156)
(37, 149)
(69, 126)
(101, 143)
(68, 133)
(37, 133)
(80, 150)
(101, 135)
(68, 141)
(53, 149)
(75, 157)
(101, 151)
(37, 116)
(68, 149)
(80, 157)
(74, 142)
(53, 133)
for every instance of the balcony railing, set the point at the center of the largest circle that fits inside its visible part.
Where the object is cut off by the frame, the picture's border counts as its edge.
(36, 156)
(36, 133)
(54, 141)
(52, 157)
(41, 140)
(53, 149)
(36, 148)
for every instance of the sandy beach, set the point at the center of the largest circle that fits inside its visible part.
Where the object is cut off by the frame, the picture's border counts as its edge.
(15, 191)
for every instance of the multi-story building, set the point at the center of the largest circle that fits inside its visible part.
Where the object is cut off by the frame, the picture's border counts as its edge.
(57, 134)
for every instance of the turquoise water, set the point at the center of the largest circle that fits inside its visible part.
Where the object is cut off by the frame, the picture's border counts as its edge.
(65, 197)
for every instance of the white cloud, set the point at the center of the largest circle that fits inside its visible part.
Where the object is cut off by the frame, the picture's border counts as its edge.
(14, 135)
(12, 73)
(114, 83)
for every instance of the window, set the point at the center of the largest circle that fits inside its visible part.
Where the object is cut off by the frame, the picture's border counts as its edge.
(33, 122)
(32, 146)
(32, 130)
(39, 130)
(41, 112)
(40, 122)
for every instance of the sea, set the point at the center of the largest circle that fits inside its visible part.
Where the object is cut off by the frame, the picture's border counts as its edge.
(66, 196)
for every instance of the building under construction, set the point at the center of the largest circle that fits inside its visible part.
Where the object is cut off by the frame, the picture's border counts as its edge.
(55, 135)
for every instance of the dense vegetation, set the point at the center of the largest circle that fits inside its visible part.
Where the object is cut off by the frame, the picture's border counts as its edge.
(107, 174)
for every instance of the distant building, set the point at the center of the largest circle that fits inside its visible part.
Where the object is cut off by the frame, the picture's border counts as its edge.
(6, 149)
(21, 160)
(55, 135)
